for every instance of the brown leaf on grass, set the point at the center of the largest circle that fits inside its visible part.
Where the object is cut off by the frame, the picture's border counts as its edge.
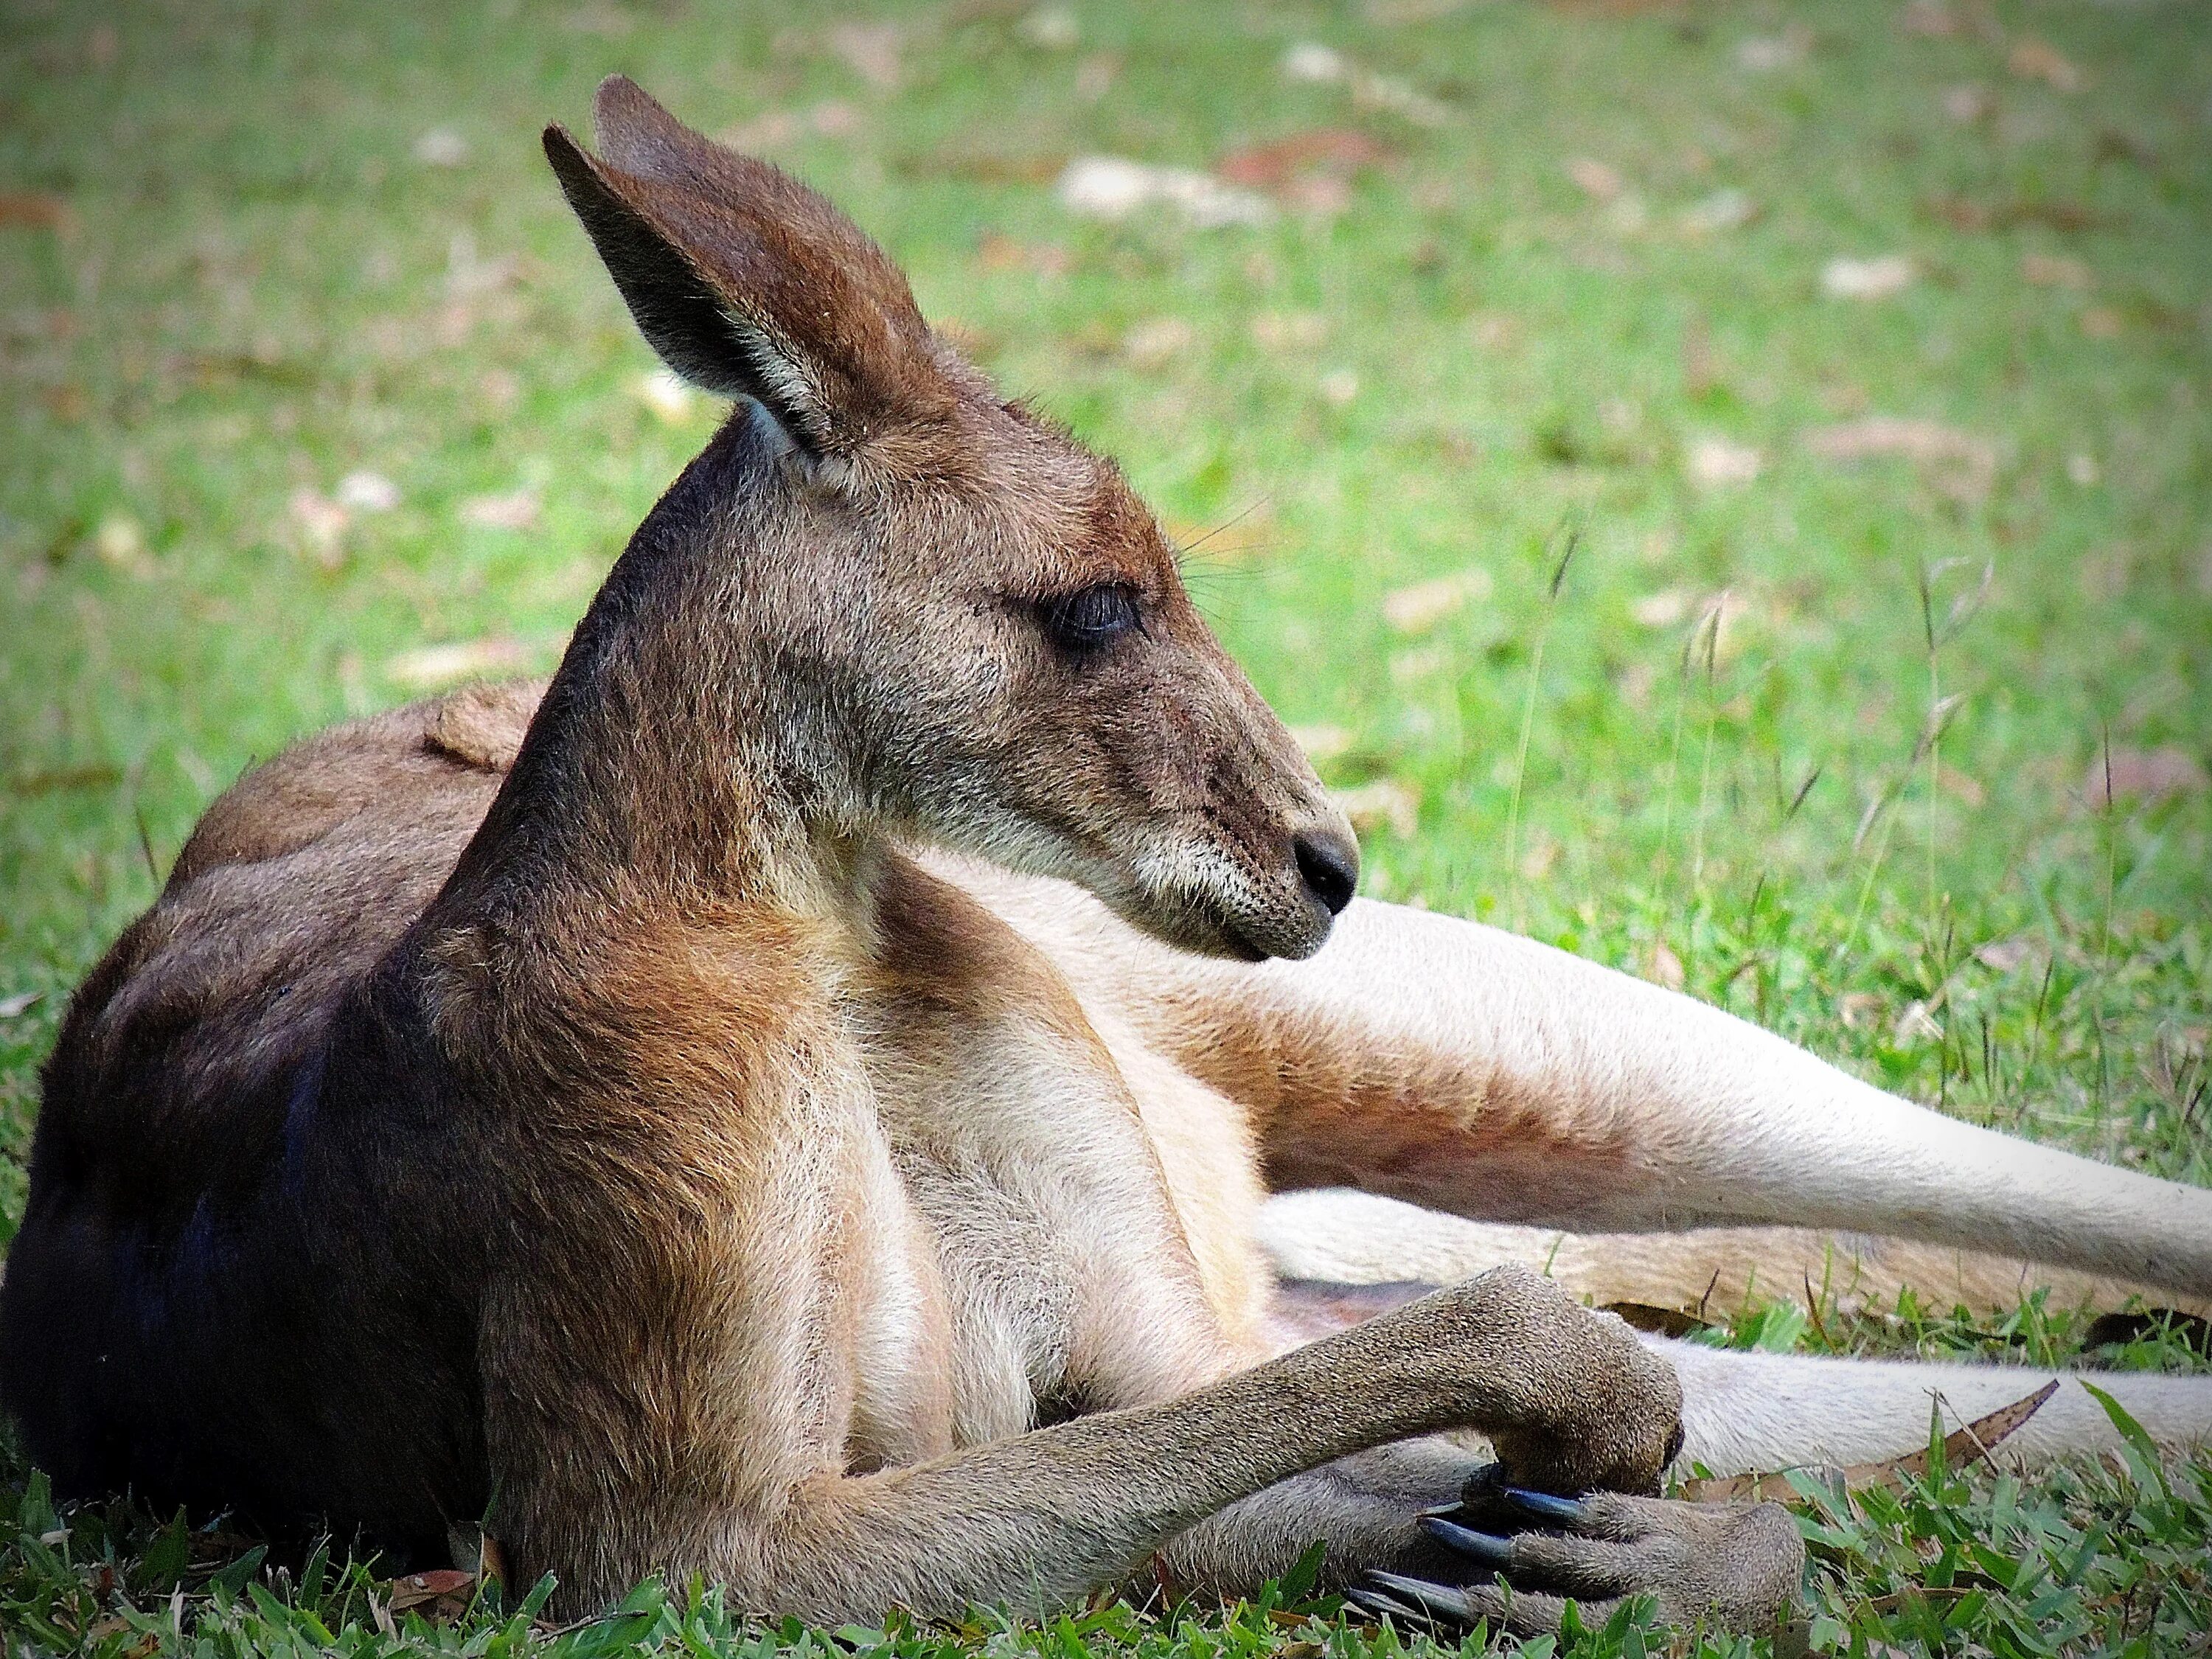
(319, 525)
(1967, 103)
(1960, 463)
(1115, 187)
(1664, 967)
(2054, 270)
(833, 117)
(516, 509)
(2102, 323)
(1340, 151)
(66, 401)
(36, 211)
(870, 51)
(1289, 331)
(1311, 172)
(997, 251)
(1964, 213)
(1971, 1443)
(2032, 59)
(431, 666)
(439, 1596)
(1716, 463)
(1596, 179)
(2149, 775)
(1875, 278)
(416, 1588)
(1417, 609)
(1932, 19)
(2004, 956)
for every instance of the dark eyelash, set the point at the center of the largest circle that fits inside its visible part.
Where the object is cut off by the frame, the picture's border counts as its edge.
(1091, 618)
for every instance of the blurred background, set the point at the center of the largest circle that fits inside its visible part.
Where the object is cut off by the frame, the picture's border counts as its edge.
(1723, 487)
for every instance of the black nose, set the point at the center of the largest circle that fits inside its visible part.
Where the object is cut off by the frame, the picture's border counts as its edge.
(1329, 866)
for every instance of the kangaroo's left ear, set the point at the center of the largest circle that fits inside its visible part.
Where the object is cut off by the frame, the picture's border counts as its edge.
(749, 283)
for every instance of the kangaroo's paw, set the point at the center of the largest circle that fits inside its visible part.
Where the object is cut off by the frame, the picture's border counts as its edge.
(1735, 1565)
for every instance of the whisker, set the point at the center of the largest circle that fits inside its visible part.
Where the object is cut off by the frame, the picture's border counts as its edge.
(1189, 548)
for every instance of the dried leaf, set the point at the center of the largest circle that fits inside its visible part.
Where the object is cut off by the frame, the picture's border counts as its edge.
(431, 666)
(1114, 187)
(1962, 465)
(1158, 341)
(1664, 966)
(998, 252)
(514, 510)
(1876, 278)
(1764, 54)
(1417, 608)
(1052, 28)
(120, 541)
(1315, 63)
(2037, 60)
(1289, 331)
(1331, 152)
(1723, 210)
(1974, 1442)
(2146, 774)
(2003, 956)
(442, 147)
(1715, 463)
(418, 1588)
(2054, 270)
(1967, 103)
(870, 51)
(364, 491)
(21, 1003)
(1594, 179)
(36, 211)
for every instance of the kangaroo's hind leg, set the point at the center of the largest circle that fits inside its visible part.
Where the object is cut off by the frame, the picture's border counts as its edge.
(1470, 1070)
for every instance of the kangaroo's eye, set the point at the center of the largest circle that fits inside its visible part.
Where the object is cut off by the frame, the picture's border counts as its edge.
(1083, 622)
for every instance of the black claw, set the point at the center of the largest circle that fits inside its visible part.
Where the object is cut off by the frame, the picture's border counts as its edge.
(1377, 1604)
(1545, 1506)
(1437, 1601)
(1475, 1546)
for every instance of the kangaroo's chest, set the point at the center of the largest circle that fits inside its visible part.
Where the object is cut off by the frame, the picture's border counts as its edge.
(1022, 1248)
(1022, 1259)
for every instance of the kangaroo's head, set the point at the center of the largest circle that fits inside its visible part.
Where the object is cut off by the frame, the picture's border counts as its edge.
(984, 620)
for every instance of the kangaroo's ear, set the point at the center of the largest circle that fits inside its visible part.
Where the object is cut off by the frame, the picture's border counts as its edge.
(749, 283)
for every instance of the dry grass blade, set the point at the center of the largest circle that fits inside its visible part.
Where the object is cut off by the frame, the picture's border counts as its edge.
(1975, 1441)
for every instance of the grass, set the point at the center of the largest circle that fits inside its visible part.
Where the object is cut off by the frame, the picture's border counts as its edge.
(1767, 733)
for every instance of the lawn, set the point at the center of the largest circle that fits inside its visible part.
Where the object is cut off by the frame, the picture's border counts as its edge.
(1726, 488)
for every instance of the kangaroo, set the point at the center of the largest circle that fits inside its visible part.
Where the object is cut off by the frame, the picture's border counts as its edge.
(632, 1145)
(797, 1099)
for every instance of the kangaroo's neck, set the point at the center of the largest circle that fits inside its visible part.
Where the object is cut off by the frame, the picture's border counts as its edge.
(674, 758)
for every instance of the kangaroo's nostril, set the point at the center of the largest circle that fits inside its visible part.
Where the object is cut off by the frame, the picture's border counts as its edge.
(1329, 866)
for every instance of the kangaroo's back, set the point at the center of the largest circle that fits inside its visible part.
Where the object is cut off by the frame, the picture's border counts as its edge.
(171, 1097)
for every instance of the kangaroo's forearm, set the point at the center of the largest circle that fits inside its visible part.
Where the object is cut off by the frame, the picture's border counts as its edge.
(1049, 1516)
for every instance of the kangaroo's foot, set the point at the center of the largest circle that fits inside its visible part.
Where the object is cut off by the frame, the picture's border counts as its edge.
(1738, 1566)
